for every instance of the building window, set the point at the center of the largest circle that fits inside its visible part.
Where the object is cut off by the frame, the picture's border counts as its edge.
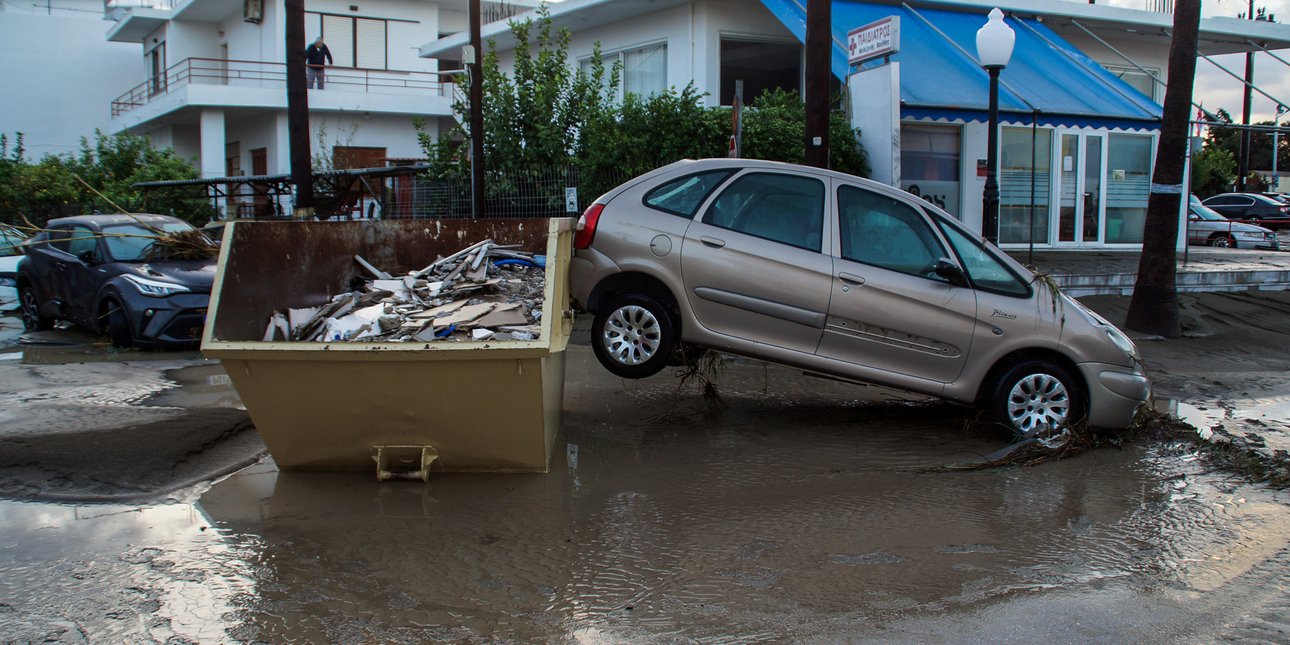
(1025, 166)
(1128, 186)
(353, 42)
(929, 163)
(644, 70)
(1142, 82)
(761, 66)
(155, 59)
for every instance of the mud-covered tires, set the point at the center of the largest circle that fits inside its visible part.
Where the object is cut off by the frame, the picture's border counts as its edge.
(1034, 396)
(118, 327)
(633, 336)
(32, 320)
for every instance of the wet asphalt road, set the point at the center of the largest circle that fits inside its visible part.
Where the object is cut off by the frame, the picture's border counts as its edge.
(800, 510)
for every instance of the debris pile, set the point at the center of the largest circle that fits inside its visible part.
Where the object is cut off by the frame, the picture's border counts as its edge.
(486, 291)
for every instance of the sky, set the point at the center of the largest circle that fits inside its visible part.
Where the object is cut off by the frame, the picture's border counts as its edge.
(1214, 88)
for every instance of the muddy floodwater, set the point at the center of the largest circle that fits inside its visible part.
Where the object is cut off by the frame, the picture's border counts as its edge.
(800, 510)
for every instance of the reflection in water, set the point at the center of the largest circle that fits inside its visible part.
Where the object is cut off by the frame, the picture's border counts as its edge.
(794, 513)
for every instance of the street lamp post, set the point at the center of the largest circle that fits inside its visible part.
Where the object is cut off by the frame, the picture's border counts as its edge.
(994, 44)
(1276, 147)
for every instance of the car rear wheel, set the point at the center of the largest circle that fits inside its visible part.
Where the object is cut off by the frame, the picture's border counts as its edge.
(31, 318)
(118, 326)
(1035, 396)
(633, 336)
(1222, 241)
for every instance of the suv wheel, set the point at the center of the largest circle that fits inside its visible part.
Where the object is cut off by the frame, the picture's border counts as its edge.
(118, 327)
(1036, 395)
(31, 318)
(633, 336)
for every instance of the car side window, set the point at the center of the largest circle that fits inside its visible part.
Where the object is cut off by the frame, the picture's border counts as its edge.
(781, 208)
(886, 232)
(58, 239)
(984, 270)
(81, 240)
(683, 196)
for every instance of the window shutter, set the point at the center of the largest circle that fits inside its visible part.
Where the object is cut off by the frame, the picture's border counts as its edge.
(338, 33)
(369, 50)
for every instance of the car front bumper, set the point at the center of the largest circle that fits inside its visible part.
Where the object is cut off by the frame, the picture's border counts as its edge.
(1115, 393)
(173, 321)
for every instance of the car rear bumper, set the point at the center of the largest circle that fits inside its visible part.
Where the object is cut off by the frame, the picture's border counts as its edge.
(586, 270)
(1115, 393)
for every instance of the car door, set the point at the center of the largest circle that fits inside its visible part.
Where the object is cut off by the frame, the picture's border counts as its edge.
(889, 309)
(1222, 204)
(83, 273)
(47, 262)
(752, 265)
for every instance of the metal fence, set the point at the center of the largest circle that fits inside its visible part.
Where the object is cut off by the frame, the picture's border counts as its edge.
(555, 192)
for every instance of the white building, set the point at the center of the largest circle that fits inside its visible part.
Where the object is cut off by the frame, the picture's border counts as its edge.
(1078, 95)
(209, 79)
(60, 74)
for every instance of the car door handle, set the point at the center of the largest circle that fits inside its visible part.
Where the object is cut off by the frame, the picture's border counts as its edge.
(712, 241)
(851, 278)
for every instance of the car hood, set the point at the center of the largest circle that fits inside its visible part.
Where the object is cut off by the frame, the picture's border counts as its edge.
(9, 263)
(197, 275)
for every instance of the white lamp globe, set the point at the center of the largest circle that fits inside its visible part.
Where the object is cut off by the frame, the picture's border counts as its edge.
(994, 41)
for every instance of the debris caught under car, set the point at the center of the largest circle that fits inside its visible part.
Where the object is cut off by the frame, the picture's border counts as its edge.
(486, 291)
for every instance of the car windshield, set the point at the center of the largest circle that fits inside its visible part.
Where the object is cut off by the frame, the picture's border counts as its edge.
(9, 241)
(130, 242)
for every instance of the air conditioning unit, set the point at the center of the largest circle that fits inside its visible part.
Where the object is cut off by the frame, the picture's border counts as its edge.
(252, 11)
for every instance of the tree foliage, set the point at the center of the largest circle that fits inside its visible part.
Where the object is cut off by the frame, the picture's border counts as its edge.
(1213, 171)
(99, 177)
(1221, 136)
(550, 113)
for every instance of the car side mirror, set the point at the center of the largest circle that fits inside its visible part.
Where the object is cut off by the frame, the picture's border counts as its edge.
(951, 272)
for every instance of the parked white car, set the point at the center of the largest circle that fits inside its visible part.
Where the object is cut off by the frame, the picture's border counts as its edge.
(10, 255)
(1207, 226)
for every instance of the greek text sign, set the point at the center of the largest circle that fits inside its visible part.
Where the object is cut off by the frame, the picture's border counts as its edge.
(880, 38)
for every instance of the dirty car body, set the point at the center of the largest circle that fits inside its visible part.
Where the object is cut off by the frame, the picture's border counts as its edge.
(843, 277)
(98, 271)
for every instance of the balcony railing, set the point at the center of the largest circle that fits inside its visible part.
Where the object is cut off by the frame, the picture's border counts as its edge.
(114, 9)
(245, 73)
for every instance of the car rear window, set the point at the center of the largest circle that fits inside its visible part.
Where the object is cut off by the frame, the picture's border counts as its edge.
(684, 195)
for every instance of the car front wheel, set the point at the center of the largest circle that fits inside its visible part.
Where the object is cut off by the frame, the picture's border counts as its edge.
(1222, 241)
(633, 336)
(31, 318)
(118, 327)
(1035, 396)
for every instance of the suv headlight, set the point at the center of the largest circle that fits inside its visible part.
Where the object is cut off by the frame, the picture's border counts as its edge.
(155, 288)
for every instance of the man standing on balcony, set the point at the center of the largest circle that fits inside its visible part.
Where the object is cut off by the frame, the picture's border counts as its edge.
(316, 57)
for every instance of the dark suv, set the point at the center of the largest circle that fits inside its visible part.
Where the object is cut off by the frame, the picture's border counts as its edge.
(104, 272)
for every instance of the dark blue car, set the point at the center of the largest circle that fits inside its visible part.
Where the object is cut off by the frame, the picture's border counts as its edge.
(105, 273)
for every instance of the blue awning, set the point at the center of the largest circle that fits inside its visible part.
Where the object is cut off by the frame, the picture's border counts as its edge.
(939, 73)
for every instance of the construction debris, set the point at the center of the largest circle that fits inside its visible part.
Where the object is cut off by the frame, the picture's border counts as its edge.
(484, 292)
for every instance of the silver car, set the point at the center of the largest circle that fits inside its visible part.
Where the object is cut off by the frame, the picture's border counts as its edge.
(1207, 226)
(844, 277)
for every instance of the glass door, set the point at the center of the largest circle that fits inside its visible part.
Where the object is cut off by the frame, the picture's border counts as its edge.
(1079, 190)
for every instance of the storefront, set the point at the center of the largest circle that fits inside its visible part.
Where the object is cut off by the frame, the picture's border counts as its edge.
(1075, 140)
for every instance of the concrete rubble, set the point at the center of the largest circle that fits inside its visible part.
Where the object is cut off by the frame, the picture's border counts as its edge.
(484, 292)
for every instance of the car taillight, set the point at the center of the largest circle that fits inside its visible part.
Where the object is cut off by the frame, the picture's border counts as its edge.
(587, 226)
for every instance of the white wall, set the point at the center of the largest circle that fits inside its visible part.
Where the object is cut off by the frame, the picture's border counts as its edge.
(411, 24)
(392, 132)
(60, 76)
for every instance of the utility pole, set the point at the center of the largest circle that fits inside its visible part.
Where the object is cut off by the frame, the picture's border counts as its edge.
(1154, 306)
(476, 68)
(1243, 152)
(819, 50)
(298, 109)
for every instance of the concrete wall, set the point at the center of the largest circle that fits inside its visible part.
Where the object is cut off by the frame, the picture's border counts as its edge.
(61, 75)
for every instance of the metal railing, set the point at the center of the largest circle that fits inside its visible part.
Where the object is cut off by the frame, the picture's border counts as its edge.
(245, 73)
(163, 5)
